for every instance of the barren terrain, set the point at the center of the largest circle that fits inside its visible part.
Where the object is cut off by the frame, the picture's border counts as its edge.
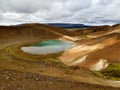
(68, 70)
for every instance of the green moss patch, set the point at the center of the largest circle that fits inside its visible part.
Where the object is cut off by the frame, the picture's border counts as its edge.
(51, 59)
(112, 72)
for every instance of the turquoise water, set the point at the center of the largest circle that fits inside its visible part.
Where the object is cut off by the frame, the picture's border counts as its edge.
(49, 42)
(47, 47)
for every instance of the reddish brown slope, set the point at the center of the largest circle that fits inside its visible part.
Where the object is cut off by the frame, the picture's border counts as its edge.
(94, 51)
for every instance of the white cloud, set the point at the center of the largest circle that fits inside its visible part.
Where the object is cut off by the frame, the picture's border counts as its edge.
(11, 16)
(76, 11)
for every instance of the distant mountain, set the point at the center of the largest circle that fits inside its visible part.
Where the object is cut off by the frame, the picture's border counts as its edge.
(68, 25)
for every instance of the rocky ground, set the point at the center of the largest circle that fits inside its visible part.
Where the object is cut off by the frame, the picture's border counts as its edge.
(14, 80)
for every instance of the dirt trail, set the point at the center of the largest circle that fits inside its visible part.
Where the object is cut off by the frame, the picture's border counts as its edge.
(104, 34)
(60, 34)
(14, 80)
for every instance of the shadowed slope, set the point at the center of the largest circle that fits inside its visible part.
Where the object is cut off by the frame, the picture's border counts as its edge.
(30, 32)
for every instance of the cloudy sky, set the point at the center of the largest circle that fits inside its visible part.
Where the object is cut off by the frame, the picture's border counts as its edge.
(60, 11)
